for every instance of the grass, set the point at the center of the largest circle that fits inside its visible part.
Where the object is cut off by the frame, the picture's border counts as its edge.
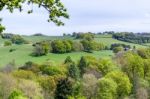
(22, 52)
(34, 39)
(22, 55)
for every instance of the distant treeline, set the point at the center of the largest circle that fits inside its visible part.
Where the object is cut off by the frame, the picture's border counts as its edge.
(138, 38)
(15, 39)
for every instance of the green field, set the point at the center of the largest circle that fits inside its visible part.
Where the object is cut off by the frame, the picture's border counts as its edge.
(22, 52)
(22, 55)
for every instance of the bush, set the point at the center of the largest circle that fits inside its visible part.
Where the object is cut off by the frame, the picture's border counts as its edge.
(7, 43)
(61, 46)
(42, 48)
(17, 39)
(52, 70)
(11, 50)
(117, 49)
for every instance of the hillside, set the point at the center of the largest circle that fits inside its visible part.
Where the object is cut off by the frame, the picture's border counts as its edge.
(22, 52)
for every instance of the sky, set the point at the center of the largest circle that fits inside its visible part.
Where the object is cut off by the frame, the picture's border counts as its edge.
(85, 16)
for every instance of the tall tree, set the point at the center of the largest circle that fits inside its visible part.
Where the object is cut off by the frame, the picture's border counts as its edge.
(73, 71)
(83, 64)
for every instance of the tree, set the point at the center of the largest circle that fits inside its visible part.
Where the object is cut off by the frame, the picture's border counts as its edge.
(107, 89)
(42, 48)
(68, 46)
(64, 88)
(73, 71)
(58, 46)
(147, 68)
(123, 83)
(133, 65)
(62, 46)
(83, 64)
(88, 45)
(77, 46)
(38, 51)
(89, 86)
(55, 8)
(106, 66)
(68, 60)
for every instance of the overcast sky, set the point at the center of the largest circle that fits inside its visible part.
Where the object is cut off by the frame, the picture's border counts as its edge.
(85, 15)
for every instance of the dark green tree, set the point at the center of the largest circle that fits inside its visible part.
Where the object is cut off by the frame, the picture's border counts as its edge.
(73, 71)
(64, 88)
(68, 60)
(83, 64)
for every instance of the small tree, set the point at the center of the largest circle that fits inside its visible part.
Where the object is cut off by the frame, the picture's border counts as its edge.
(68, 60)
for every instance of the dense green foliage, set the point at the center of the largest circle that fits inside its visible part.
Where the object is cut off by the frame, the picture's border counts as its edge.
(61, 46)
(107, 89)
(76, 76)
(87, 36)
(64, 88)
(133, 38)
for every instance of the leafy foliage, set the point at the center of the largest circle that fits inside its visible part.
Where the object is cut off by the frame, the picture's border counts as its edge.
(107, 89)
(132, 38)
(55, 8)
(2, 28)
(123, 83)
(73, 71)
(64, 88)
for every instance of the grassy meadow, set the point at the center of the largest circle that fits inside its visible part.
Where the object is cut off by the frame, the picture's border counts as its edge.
(21, 53)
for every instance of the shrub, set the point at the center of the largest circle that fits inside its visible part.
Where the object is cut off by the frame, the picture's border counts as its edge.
(7, 43)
